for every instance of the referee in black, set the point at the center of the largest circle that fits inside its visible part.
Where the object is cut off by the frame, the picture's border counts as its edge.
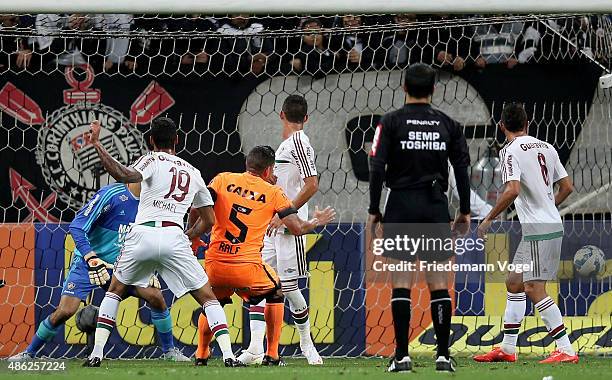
(410, 153)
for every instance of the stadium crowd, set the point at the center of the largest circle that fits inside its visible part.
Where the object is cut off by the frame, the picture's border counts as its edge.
(242, 45)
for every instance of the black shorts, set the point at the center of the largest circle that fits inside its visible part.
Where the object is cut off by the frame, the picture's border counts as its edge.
(419, 214)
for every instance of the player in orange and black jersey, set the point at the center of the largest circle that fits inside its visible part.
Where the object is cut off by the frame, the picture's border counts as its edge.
(244, 206)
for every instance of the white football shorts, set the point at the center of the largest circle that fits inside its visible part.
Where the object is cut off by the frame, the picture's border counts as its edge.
(286, 254)
(166, 250)
(543, 256)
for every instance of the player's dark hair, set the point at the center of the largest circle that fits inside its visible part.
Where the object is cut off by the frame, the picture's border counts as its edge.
(260, 158)
(514, 117)
(419, 80)
(163, 132)
(295, 108)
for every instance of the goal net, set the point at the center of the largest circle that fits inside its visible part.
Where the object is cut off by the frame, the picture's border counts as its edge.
(223, 79)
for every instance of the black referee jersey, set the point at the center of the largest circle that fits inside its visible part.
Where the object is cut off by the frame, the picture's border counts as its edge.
(411, 150)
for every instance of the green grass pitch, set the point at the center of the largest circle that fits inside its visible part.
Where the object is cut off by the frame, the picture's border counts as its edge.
(589, 368)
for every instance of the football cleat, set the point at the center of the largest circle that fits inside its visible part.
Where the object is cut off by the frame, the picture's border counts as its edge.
(201, 362)
(496, 355)
(249, 358)
(560, 357)
(93, 362)
(312, 355)
(270, 361)
(444, 364)
(404, 365)
(231, 362)
(21, 357)
(175, 355)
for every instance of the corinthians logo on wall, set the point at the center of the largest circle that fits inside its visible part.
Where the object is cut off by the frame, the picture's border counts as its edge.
(69, 163)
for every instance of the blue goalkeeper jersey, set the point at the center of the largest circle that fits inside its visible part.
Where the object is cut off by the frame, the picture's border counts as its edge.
(101, 224)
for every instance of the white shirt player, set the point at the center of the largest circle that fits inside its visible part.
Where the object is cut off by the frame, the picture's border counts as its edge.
(169, 187)
(536, 165)
(295, 160)
(480, 209)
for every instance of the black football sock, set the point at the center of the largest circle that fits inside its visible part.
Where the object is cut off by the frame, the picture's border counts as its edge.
(441, 317)
(400, 309)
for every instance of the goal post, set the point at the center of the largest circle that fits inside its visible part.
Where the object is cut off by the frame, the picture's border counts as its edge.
(309, 6)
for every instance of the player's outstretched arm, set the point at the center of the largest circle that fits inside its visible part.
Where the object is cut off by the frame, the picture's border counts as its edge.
(115, 168)
(511, 191)
(203, 224)
(566, 187)
(311, 186)
(297, 226)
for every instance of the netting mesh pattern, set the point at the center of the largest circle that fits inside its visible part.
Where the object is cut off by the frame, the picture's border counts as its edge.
(223, 80)
(239, 45)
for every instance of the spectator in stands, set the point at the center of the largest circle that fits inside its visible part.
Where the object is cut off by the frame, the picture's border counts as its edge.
(247, 51)
(46, 51)
(116, 48)
(552, 45)
(311, 54)
(451, 44)
(565, 39)
(410, 45)
(9, 45)
(42, 50)
(354, 47)
(194, 52)
(584, 35)
(148, 54)
(504, 43)
(91, 51)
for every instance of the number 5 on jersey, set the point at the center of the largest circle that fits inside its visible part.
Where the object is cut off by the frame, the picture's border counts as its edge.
(243, 229)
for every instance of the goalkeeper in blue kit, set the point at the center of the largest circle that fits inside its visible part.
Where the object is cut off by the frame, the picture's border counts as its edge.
(98, 230)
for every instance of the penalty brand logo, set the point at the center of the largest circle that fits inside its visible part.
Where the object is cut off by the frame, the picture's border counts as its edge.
(69, 164)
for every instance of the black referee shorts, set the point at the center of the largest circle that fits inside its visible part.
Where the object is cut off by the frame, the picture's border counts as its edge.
(419, 214)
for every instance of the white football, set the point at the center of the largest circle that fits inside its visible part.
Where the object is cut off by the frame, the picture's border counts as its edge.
(589, 261)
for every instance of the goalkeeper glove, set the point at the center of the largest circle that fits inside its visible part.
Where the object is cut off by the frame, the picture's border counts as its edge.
(98, 270)
(196, 244)
(154, 282)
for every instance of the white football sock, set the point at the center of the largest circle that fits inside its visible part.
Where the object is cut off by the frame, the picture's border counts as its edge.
(516, 303)
(299, 310)
(551, 315)
(218, 325)
(258, 328)
(106, 323)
